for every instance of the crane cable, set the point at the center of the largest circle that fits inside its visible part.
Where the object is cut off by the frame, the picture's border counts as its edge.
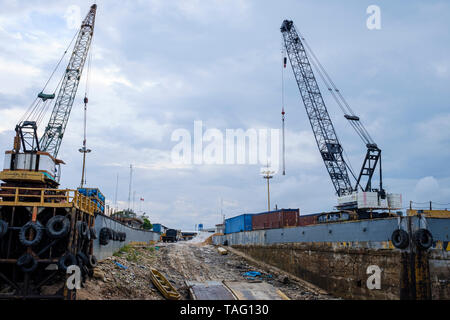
(282, 105)
(362, 133)
(340, 100)
(36, 110)
(86, 93)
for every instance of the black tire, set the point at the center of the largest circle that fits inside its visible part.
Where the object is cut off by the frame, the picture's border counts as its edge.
(104, 236)
(57, 227)
(82, 229)
(67, 260)
(400, 239)
(83, 257)
(37, 227)
(423, 239)
(3, 228)
(110, 234)
(92, 261)
(27, 263)
(93, 233)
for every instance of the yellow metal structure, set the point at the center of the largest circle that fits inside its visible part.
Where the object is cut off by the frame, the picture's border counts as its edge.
(22, 175)
(42, 197)
(429, 213)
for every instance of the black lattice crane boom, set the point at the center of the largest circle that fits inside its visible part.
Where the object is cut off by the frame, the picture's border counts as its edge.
(327, 141)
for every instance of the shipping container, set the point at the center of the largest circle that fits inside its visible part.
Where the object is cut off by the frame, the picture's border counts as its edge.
(307, 219)
(238, 223)
(157, 227)
(275, 219)
(96, 196)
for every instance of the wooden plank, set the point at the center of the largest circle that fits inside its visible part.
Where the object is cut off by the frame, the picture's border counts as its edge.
(255, 291)
(209, 290)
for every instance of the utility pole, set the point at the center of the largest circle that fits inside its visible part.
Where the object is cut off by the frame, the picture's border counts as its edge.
(268, 174)
(129, 188)
(115, 194)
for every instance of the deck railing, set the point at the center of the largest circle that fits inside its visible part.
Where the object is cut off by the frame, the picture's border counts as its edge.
(42, 197)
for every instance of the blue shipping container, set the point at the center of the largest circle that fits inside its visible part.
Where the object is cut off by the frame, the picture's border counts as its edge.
(238, 223)
(156, 227)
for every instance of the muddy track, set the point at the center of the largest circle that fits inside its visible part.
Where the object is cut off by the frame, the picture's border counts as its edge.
(178, 262)
(184, 261)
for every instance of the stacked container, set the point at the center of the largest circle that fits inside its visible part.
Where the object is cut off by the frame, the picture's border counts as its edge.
(238, 223)
(275, 219)
(307, 219)
(96, 196)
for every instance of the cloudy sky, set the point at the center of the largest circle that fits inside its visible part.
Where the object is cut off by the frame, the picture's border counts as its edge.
(159, 65)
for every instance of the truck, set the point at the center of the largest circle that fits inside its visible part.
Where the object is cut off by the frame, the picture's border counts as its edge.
(171, 235)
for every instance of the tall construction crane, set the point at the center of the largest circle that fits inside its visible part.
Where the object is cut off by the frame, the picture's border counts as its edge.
(349, 196)
(38, 156)
(54, 132)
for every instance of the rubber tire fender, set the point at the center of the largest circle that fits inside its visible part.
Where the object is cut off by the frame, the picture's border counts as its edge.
(110, 234)
(27, 263)
(423, 239)
(62, 262)
(92, 261)
(83, 257)
(37, 227)
(3, 228)
(400, 238)
(52, 222)
(93, 233)
(104, 236)
(82, 228)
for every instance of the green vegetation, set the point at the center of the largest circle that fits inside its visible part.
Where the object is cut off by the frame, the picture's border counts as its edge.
(124, 214)
(132, 254)
(147, 224)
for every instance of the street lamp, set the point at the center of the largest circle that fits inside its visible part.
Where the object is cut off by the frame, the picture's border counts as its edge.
(267, 174)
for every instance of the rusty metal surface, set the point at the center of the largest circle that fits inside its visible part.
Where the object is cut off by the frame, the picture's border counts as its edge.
(254, 290)
(276, 219)
(376, 232)
(209, 290)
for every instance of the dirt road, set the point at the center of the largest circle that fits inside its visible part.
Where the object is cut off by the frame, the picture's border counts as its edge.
(178, 262)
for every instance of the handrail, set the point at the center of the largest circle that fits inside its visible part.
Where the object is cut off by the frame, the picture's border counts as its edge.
(24, 196)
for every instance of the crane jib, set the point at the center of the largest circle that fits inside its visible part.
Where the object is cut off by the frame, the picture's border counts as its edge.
(54, 132)
(324, 133)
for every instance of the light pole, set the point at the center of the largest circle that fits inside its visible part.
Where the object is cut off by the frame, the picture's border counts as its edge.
(267, 174)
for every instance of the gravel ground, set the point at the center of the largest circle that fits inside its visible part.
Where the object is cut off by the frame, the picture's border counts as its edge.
(180, 261)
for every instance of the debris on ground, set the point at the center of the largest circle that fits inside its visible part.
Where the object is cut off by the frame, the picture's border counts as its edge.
(179, 262)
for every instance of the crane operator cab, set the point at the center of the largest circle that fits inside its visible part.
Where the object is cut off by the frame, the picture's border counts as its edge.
(26, 164)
